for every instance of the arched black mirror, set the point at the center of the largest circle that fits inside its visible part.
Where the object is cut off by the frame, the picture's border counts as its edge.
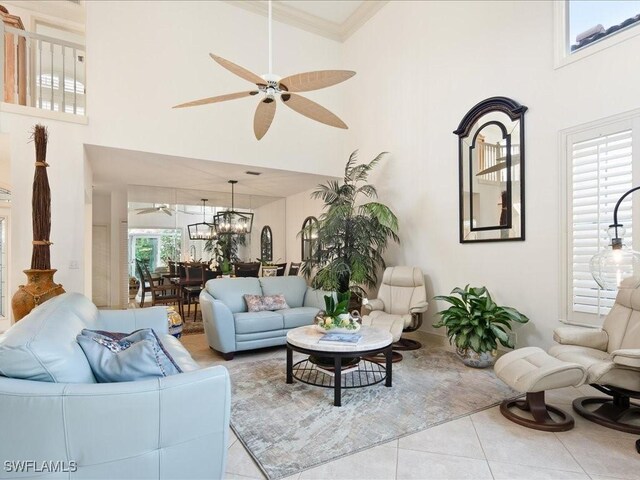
(309, 235)
(266, 244)
(491, 169)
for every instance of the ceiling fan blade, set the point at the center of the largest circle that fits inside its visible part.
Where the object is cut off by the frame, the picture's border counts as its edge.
(263, 117)
(305, 82)
(167, 211)
(515, 160)
(144, 211)
(239, 71)
(312, 110)
(219, 98)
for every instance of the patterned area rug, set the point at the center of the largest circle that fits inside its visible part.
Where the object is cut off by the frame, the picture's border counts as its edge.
(290, 428)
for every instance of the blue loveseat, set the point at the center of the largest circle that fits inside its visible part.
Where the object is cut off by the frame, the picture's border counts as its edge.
(51, 409)
(230, 327)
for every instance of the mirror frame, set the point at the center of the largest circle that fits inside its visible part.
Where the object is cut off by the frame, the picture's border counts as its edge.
(515, 112)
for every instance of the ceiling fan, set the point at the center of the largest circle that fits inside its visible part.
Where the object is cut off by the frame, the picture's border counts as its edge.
(272, 86)
(164, 208)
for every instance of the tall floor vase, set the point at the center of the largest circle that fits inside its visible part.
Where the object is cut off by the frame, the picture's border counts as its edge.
(40, 287)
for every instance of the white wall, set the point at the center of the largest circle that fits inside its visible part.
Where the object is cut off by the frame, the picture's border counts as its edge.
(432, 61)
(156, 55)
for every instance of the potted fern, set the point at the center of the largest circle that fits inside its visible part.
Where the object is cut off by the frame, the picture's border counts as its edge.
(476, 324)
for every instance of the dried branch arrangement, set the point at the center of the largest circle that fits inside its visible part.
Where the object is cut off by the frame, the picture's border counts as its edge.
(41, 203)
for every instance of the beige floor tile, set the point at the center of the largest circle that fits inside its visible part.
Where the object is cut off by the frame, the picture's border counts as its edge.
(505, 441)
(232, 438)
(603, 454)
(426, 466)
(234, 476)
(374, 463)
(509, 471)
(600, 477)
(239, 462)
(562, 395)
(583, 425)
(438, 440)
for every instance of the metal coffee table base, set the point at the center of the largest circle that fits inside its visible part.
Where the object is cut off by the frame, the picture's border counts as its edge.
(367, 374)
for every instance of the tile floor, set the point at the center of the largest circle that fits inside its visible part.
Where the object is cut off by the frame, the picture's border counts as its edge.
(478, 446)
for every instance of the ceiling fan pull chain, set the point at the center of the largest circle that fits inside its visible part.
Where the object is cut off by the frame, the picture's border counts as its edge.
(270, 41)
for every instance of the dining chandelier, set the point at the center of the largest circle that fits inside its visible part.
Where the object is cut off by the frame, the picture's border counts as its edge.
(202, 230)
(231, 222)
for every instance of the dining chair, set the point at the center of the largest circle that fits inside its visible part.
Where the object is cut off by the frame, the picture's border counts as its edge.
(281, 269)
(294, 268)
(194, 284)
(250, 269)
(162, 294)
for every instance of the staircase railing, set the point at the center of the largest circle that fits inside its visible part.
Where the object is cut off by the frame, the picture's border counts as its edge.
(41, 71)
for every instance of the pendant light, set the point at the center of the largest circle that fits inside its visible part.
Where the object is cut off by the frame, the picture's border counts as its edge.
(232, 222)
(202, 230)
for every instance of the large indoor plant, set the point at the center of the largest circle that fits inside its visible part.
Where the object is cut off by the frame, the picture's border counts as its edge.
(351, 233)
(476, 324)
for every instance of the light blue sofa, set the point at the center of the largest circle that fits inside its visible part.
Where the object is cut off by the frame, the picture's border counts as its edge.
(230, 328)
(171, 427)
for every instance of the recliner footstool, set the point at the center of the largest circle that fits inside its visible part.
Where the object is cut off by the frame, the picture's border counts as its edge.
(532, 371)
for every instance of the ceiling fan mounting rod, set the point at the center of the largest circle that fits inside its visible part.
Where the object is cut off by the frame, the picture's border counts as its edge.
(270, 42)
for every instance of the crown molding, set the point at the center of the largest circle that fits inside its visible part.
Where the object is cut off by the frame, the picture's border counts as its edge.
(312, 23)
(66, 9)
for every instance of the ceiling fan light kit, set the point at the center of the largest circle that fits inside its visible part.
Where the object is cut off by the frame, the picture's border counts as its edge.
(270, 87)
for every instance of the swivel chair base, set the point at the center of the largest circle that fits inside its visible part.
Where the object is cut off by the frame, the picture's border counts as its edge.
(617, 413)
(539, 410)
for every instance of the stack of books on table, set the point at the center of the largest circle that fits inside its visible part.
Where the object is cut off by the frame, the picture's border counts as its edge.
(343, 339)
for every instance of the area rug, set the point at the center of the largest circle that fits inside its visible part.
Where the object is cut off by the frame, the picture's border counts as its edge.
(290, 428)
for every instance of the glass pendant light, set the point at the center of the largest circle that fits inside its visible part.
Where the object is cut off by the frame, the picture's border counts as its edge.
(231, 222)
(616, 262)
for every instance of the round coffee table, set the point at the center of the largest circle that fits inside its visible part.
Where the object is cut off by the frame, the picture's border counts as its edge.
(373, 341)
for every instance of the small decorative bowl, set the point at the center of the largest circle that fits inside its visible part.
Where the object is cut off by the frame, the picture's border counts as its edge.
(329, 325)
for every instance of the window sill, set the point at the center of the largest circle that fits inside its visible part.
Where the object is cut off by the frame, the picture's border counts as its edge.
(39, 112)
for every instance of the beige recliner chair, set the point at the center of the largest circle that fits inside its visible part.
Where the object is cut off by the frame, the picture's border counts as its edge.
(611, 357)
(402, 299)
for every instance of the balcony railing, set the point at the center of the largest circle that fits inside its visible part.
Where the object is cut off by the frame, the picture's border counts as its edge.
(42, 72)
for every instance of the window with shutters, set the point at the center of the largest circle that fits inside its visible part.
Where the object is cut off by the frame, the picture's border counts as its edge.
(600, 170)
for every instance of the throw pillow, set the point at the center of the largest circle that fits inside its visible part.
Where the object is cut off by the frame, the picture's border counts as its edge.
(254, 303)
(126, 357)
(274, 302)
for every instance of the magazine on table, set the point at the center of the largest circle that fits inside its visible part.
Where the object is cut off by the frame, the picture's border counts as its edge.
(340, 338)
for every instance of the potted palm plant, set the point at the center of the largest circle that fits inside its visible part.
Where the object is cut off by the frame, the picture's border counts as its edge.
(476, 324)
(352, 233)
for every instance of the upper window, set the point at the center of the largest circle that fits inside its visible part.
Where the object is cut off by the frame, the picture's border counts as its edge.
(583, 28)
(591, 21)
(600, 169)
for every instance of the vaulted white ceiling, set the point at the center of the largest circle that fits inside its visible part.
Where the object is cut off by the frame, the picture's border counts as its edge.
(334, 19)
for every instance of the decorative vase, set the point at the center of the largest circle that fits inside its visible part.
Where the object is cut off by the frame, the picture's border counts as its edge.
(477, 360)
(40, 287)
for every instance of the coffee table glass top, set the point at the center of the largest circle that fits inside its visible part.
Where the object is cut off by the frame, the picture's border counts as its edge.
(307, 337)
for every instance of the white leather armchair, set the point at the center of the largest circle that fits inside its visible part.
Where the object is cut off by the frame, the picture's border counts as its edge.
(611, 357)
(402, 299)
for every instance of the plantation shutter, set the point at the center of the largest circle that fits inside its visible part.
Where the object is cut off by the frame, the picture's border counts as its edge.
(601, 174)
